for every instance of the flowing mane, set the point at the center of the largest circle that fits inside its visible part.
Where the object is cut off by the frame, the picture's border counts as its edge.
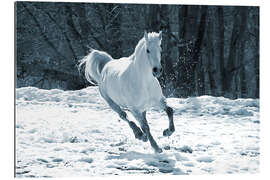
(153, 37)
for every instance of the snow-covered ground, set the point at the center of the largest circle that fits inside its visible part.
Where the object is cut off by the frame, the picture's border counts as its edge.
(74, 133)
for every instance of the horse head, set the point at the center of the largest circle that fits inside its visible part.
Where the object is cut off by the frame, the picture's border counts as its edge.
(153, 51)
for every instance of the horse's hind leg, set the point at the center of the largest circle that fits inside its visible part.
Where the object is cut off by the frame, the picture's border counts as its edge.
(169, 111)
(141, 117)
(122, 114)
(137, 131)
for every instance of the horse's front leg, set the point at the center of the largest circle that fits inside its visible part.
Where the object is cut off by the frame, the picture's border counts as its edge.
(141, 117)
(169, 111)
(123, 115)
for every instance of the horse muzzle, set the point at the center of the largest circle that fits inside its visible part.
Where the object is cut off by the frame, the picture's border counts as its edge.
(157, 72)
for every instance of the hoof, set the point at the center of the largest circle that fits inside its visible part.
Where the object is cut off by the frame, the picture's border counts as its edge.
(144, 138)
(141, 136)
(167, 132)
(158, 150)
(123, 115)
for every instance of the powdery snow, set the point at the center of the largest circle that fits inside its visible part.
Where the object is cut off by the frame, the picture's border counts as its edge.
(74, 133)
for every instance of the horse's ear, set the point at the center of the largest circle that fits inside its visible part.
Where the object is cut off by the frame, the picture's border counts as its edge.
(145, 36)
(160, 35)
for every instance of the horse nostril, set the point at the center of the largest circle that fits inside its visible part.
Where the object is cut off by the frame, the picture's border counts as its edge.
(155, 69)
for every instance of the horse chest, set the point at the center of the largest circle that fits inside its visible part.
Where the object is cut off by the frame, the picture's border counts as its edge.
(130, 91)
(145, 97)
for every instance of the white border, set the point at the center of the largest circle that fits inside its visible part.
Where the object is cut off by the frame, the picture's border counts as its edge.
(7, 91)
(194, 2)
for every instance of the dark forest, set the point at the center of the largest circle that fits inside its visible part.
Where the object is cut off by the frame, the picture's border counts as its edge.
(206, 50)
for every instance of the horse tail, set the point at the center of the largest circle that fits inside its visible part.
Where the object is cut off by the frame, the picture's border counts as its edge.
(94, 63)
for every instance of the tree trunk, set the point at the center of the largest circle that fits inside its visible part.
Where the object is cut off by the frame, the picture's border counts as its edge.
(220, 91)
(192, 57)
(168, 75)
(235, 62)
(153, 18)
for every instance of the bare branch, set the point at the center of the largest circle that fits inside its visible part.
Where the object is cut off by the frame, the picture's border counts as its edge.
(42, 33)
(62, 30)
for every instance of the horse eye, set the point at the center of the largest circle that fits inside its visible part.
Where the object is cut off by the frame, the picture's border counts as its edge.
(147, 50)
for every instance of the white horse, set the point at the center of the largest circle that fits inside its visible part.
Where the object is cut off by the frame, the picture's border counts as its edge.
(131, 83)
